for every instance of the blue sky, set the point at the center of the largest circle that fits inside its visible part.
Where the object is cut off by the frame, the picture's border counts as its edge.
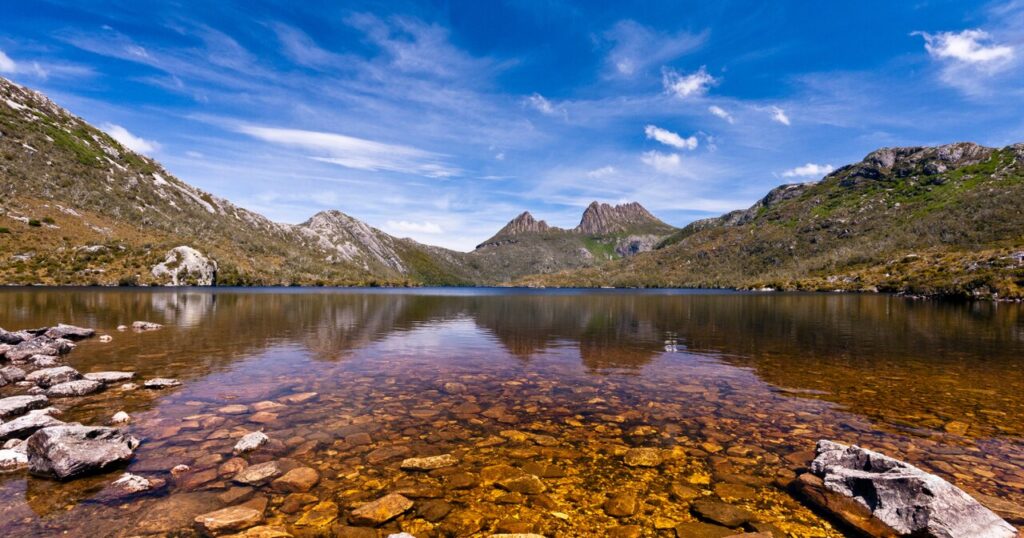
(443, 120)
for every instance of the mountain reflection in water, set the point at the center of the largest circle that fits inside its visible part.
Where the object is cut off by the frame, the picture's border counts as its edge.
(881, 369)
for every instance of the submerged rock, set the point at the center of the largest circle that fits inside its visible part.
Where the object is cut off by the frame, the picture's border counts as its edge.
(429, 463)
(70, 332)
(899, 495)
(382, 510)
(232, 518)
(145, 326)
(250, 441)
(72, 450)
(643, 457)
(17, 405)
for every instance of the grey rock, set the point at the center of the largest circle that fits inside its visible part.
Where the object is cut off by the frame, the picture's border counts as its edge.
(250, 441)
(12, 460)
(146, 326)
(160, 383)
(12, 374)
(72, 450)
(39, 345)
(43, 361)
(80, 387)
(70, 332)
(47, 377)
(186, 266)
(26, 425)
(17, 405)
(7, 337)
(109, 377)
(904, 497)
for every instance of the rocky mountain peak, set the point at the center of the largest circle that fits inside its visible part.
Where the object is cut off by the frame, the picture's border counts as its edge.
(524, 223)
(909, 161)
(603, 219)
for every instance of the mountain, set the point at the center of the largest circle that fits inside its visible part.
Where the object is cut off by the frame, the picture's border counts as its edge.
(526, 246)
(77, 207)
(946, 220)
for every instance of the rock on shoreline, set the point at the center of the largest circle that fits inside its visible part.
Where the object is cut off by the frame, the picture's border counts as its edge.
(883, 496)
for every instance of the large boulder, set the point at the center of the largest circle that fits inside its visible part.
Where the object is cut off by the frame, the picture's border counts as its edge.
(900, 496)
(80, 387)
(186, 266)
(72, 450)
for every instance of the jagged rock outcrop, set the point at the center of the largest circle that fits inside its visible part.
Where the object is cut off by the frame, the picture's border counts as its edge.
(605, 219)
(893, 498)
(72, 450)
(524, 223)
(348, 239)
(186, 266)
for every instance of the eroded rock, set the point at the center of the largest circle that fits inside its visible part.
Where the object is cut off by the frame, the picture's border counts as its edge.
(72, 450)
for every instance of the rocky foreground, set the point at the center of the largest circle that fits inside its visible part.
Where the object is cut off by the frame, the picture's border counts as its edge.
(860, 490)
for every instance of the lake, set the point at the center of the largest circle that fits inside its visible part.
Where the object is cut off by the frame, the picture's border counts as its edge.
(734, 388)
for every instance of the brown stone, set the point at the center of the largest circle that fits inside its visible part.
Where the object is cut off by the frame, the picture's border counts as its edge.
(381, 510)
(625, 531)
(623, 504)
(232, 518)
(525, 483)
(320, 516)
(858, 516)
(297, 480)
(722, 513)
(433, 510)
(643, 457)
(697, 529)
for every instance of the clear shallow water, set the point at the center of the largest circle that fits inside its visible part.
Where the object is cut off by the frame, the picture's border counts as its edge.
(745, 387)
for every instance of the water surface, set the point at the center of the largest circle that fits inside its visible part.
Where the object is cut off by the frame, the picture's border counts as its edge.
(735, 388)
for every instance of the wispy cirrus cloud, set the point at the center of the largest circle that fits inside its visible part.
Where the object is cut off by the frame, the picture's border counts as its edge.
(637, 47)
(721, 113)
(972, 60)
(779, 115)
(357, 153)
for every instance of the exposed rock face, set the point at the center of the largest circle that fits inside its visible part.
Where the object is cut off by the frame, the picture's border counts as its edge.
(903, 497)
(73, 450)
(348, 239)
(186, 266)
(524, 223)
(604, 219)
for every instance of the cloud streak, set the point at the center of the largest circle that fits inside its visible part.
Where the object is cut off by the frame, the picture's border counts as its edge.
(670, 138)
(686, 86)
(129, 140)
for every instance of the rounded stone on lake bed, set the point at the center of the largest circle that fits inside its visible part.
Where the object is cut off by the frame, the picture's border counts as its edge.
(234, 409)
(297, 480)
(381, 510)
(106, 338)
(120, 418)
(643, 457)
(232, 518)
(250, 441)
(109, 377)
(429, 463)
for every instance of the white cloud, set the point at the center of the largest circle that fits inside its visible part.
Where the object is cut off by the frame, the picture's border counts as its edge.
(194, 154)
(666, 163)
(602, 172)
(966, 46)
(669, 138)
(721, 113)
(500, 156)
(638, 47)
(544, 106)
(130, 141)
(405, 226)
(779, 115)
(357, 153)
(683, 86)
(809, 170)
(7, 65)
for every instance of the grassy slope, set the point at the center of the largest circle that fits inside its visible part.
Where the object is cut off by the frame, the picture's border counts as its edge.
(907, 228)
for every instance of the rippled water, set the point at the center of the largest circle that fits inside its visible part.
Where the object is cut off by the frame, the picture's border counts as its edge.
(735, 388)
